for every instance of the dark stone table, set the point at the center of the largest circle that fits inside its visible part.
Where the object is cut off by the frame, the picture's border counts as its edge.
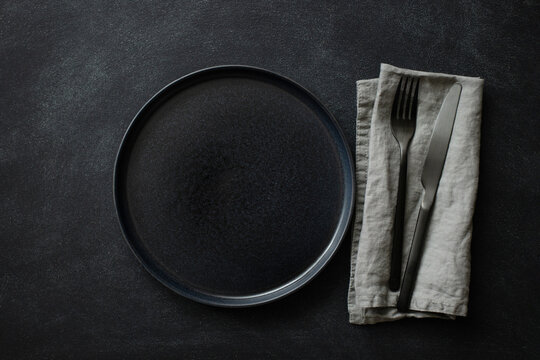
(73, 75)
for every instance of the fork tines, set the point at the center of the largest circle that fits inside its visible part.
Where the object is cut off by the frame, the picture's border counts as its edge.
(405, 105)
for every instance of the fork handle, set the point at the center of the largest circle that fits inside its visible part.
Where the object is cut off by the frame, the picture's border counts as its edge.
(397, 241)
(415, 255)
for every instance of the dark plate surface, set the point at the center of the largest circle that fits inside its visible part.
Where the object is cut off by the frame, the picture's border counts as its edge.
(234, 186)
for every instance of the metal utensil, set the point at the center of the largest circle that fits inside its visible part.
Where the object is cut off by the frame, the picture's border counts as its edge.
(403, 123)
(431, 174)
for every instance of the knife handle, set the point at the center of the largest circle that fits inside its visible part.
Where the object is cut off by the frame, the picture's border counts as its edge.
(415, 254)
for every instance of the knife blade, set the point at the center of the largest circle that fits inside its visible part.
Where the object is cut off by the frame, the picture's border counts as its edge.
(431, 175)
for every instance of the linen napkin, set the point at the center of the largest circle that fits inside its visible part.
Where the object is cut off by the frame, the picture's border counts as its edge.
(442, 286)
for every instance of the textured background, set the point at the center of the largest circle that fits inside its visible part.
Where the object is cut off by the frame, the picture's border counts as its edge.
(72, 75)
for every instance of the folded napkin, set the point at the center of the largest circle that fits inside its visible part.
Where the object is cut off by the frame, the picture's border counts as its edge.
(442, 286)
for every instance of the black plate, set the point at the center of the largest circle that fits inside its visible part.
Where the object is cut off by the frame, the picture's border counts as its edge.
(234, 186)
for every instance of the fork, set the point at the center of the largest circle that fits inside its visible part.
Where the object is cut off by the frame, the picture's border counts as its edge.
(403, 123)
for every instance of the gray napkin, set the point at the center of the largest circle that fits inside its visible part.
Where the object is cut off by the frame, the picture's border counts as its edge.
(442, 286)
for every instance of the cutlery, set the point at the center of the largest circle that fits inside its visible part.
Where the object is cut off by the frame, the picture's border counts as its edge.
(431, 174)
(403, 124)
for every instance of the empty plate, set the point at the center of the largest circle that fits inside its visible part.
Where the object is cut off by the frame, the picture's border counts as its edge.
(234, 186)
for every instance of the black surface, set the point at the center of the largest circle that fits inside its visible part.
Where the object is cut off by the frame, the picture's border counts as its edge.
(234, 186)
(72, 77)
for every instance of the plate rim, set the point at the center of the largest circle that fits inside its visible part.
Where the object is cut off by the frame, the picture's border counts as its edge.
(241, 300)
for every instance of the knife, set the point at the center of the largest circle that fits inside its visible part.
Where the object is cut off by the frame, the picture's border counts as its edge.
(431, 174)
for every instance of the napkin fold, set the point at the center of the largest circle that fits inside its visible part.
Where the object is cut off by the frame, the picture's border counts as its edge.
(442, 286)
